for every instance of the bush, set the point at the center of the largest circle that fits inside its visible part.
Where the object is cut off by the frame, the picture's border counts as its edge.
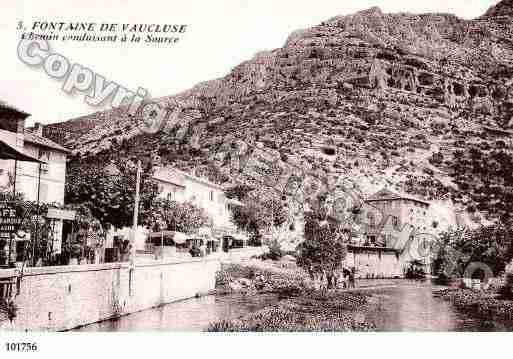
(312, 311)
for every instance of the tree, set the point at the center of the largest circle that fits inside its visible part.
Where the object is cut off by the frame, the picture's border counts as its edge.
(323, 250)
(238, 192)
(181, 217)
(110, 198)
(490, 245)
(260, 211)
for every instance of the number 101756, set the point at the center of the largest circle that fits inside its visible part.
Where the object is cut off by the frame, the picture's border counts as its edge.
(21, 347)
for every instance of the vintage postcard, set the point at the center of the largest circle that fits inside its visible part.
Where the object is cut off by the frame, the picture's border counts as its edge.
(256, 166)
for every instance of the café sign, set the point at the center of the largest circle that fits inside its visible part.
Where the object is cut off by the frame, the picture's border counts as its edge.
(10, 219)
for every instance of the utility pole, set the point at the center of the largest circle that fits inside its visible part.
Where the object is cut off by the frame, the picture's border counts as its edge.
(35, 241)
(136, 211)
(272, 220)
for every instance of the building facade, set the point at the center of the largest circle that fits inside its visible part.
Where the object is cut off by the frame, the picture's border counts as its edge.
(389, 214)
(179, 186)
(182, 187)
(40, 182)
(395, 227)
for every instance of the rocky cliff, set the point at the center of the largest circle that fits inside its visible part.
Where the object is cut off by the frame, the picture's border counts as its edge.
(387, 99)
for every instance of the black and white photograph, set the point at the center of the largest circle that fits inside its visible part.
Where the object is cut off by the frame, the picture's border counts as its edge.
(240, 166)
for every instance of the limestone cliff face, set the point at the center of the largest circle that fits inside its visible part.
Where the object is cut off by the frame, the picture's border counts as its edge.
(503, 11)
(369, 95)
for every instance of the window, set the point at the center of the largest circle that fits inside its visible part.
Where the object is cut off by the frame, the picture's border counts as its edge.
(169, 196)
(44, 155)
(212, 196)
(370, 216)
(395, 221)
(44, 167)
(370, 241)
(43, 192)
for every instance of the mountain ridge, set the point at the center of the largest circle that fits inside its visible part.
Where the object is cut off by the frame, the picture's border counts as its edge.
(385, 99)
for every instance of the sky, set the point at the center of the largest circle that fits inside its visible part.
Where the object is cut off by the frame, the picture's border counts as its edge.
(220, 35)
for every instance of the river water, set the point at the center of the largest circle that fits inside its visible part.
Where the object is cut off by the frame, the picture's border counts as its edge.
(187, 315)
(411, 306)
(402, 306)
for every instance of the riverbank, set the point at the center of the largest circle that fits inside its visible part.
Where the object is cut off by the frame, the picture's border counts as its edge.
(300, 307)
(377, 305)
(481, 304)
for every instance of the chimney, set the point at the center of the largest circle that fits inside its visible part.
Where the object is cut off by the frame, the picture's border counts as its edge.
(38, 129)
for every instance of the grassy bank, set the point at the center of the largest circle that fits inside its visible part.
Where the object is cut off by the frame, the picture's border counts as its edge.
(483, 304)
(300, 308)
(262, 276)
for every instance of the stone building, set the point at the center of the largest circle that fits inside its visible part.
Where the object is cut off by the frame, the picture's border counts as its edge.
(394, 226)
(182, 187)
(388, 213)
(41, 179)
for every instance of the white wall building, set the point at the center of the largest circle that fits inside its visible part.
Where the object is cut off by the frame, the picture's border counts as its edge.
(44, 181)
(182, 187)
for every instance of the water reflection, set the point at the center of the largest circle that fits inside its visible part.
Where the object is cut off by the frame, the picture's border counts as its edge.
(404, 306)
(188, 315)
(411, 306)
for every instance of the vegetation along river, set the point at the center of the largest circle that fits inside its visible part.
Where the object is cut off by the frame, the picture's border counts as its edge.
(404, 306)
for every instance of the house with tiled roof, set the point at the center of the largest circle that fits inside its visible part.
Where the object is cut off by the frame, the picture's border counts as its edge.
(393, 224)
(388, 213)
(180, 186)
(386, 194)
(38, 170)
(52, 169)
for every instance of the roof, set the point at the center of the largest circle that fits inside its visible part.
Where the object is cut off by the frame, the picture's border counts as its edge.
(388, 195)
(169, 175)
(8, 152)
(11, 108)
(43, 142)
(200, 180)
(176, 177)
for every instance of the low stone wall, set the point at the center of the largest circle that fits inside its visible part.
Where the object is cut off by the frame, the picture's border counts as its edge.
(65, 297)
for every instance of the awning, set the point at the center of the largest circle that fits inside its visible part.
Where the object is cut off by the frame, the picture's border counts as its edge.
(56, 213)
(240, 237)
(8, 152)
(178, 237)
